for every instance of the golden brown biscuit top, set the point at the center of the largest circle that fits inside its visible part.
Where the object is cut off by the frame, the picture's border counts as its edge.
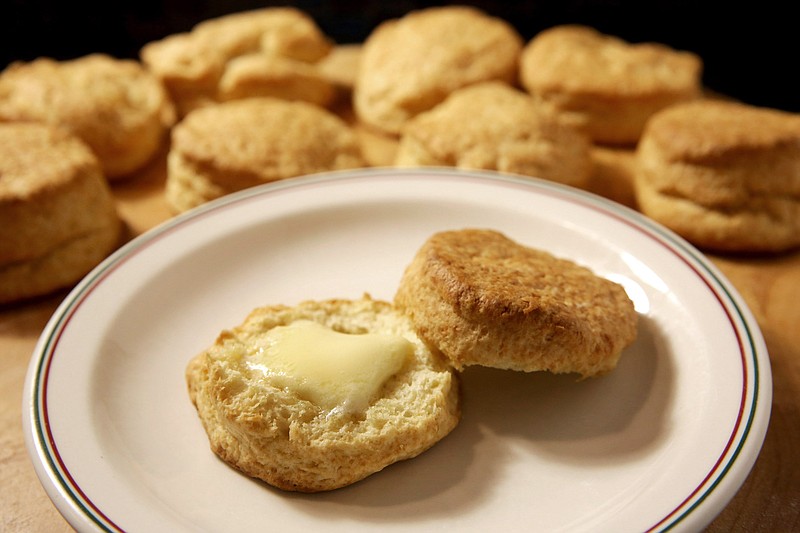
(491, 125)
(478, 114)
(97, 97)
(254, 75)
(446, 36)
(270, 137)
(283, 31)
(266, 67)
(36, 157)
(578, 59)
(708, 130)
(183, 57)
(483, 273)
(413, 62)
(201, 54)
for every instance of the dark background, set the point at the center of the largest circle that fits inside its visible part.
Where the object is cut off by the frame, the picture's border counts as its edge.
(751, 50)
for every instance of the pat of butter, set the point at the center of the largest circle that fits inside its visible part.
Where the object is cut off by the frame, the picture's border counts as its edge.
(329, 368)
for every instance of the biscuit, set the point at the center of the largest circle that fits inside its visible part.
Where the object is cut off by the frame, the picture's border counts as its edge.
(192, 64)
(492, 126)
(409, 65)
(115, 106)
(255, 75)
(231, 146)
(724, 175)
(265, 425)
(57, 216)
(603, 85)
(483, 299)
(340, 67)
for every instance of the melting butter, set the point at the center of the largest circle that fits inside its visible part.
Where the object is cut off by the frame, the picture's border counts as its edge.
(331, 369)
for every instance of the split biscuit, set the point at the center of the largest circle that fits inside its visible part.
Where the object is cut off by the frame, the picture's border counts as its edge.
(194, 65)
(604, 85)
(724, 175)
(483, 299)
(268, 425)
(492, 126)
(409, 65)
(57, 216)
(235, 145)
(115, 106)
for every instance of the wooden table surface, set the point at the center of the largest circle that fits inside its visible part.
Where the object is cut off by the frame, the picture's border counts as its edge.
(769, 500)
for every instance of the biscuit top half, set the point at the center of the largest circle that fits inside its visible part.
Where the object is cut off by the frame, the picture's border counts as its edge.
(483, 299)
(713, 131)
(580, 60)
(483, 272)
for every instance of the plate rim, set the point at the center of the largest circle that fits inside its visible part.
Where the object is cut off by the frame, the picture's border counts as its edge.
(730, 469)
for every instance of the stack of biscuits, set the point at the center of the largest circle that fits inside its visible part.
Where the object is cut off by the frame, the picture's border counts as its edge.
(69, 129)
(241, 96)
(264, 95)
(117, 107)
(255, 92)
(267, 52)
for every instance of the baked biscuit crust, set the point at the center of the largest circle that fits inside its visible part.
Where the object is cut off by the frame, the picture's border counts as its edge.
(57, 216)
(409, 65)
(484, 299)
(603, 85)
(192, 65)
(724, 175)
(242, 143)
(259, 75)
(270, 433)
(115, 106)
(492, 126)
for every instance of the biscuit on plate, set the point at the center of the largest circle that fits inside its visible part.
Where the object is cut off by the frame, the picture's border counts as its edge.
(724, 175)
(333, 418)
(231, 146)
(484, 299)
(193, 64)
(115, 106)
(57, 216)
(410, 64)
(604, 85)
(492, 126)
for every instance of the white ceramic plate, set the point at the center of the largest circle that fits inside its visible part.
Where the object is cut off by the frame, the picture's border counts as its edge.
(661, 443)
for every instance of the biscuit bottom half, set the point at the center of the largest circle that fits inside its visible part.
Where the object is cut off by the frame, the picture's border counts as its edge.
(274, 433)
